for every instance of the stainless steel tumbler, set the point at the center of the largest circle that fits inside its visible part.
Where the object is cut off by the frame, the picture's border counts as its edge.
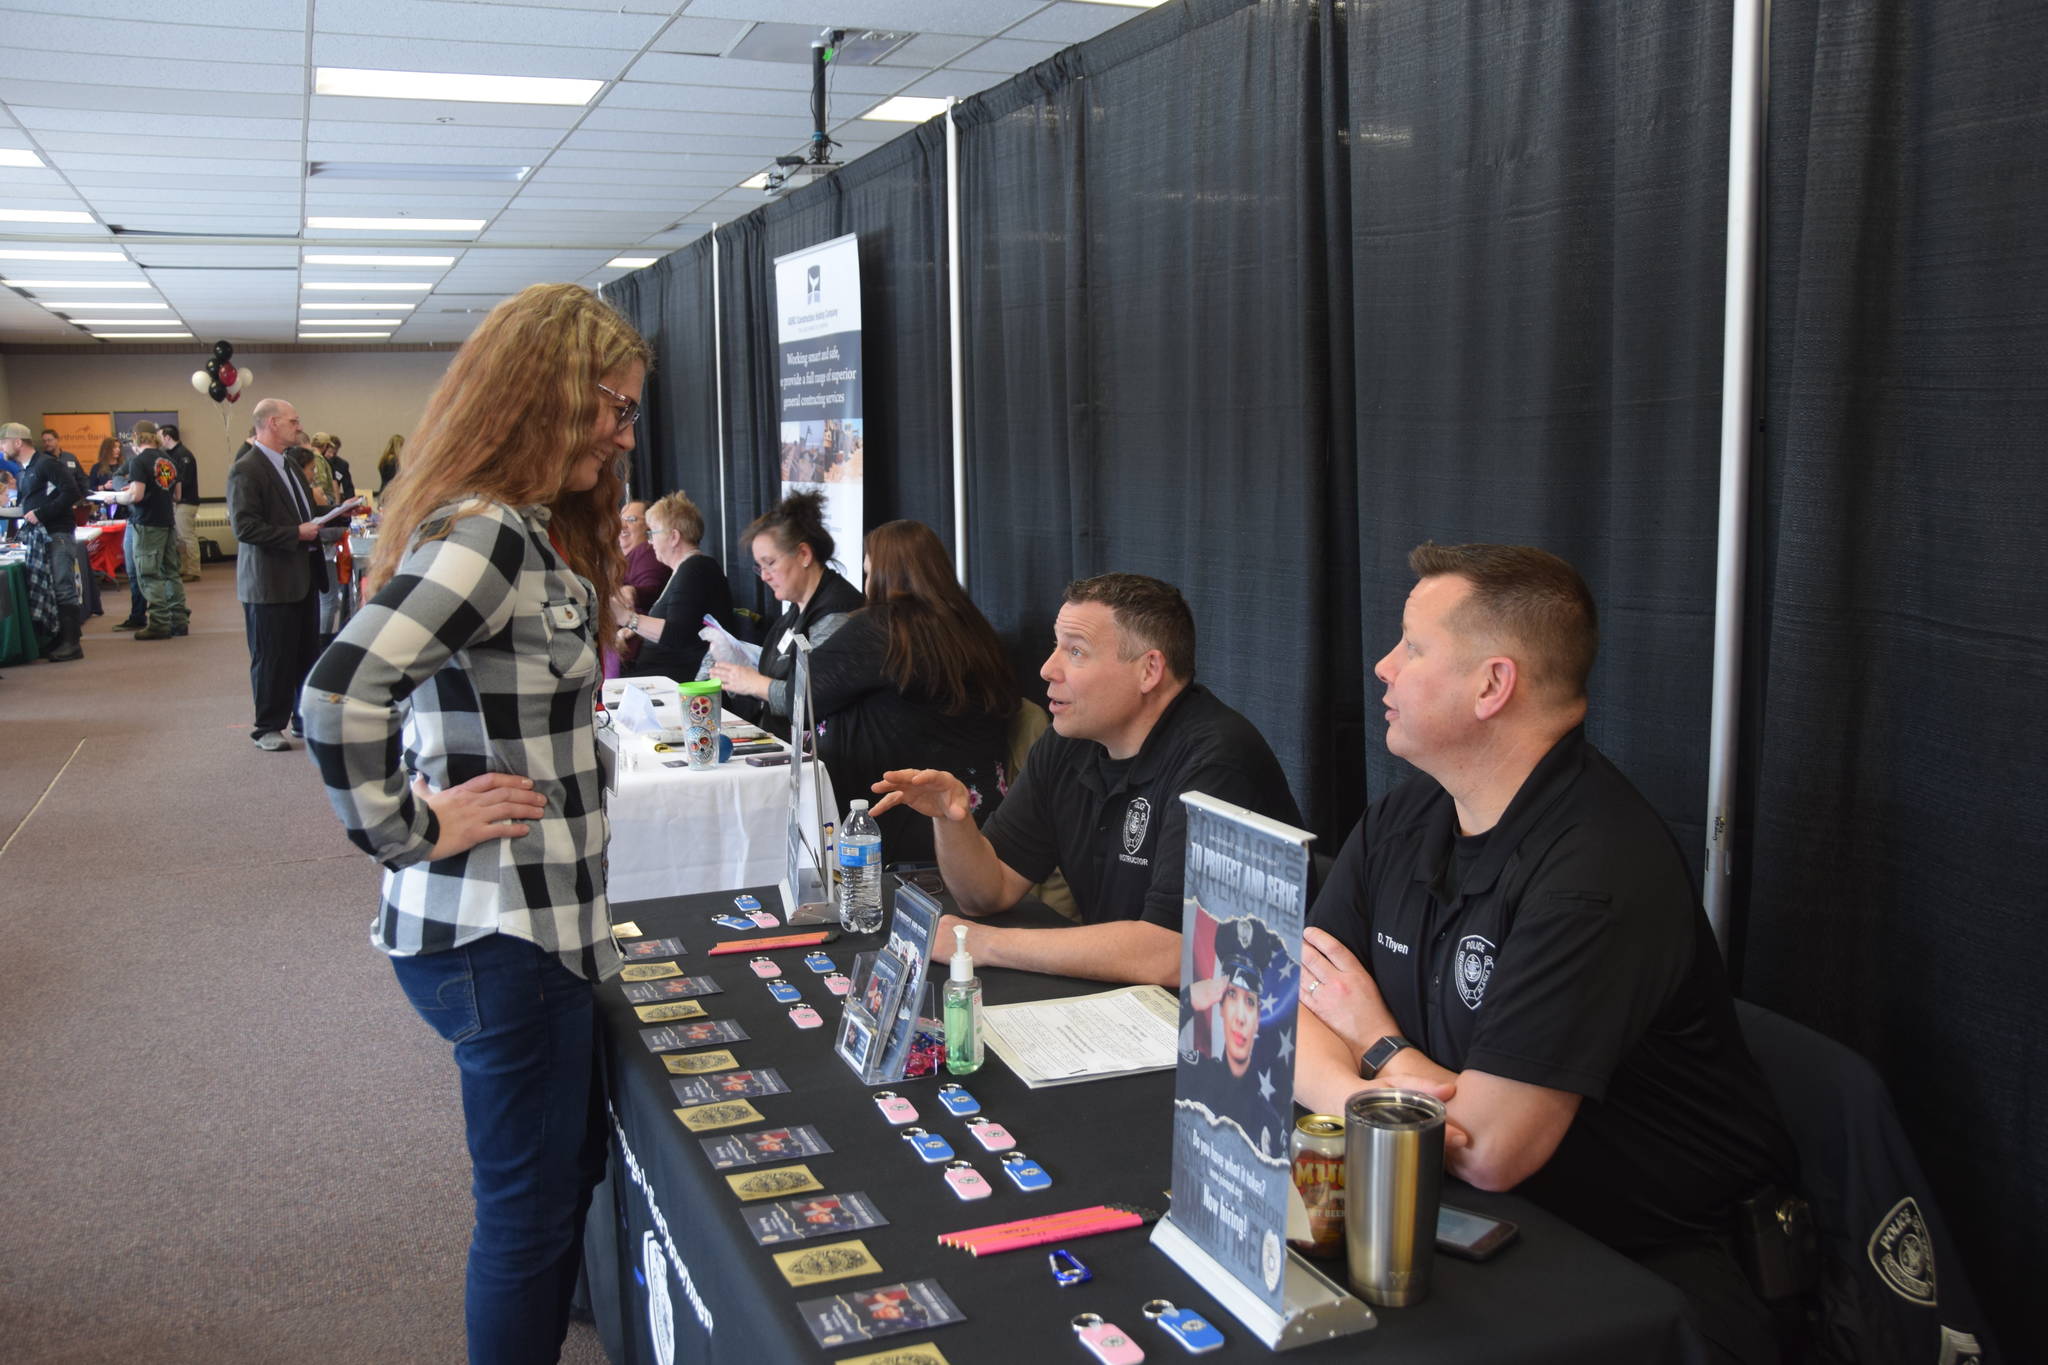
(1393, 1173)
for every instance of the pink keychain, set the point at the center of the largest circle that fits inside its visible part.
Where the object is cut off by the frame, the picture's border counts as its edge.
(990, 1134)
(764, 920)
(839, 983)
(1106, 1341)
(803, 1016)
(966, 1181)
(894, 1107)
(764, 967)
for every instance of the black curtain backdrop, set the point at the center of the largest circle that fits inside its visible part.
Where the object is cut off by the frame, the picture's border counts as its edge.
(1150, 350)
(677, 447)
(1899, 618)
(1538, 208)
(1261, 295)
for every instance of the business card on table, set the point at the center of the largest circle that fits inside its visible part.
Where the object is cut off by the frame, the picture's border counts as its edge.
(675, 988)
(833, 1261)
(653, 948)
(649, 971)
(772, 1144)
(673, 1010)
(815, 1215)
(703, 1118)
(917, 1353)
(733, 1085)
(865, 1314)
(697, 1063)
(698, 1033)
(778, 1180)
(626, 929)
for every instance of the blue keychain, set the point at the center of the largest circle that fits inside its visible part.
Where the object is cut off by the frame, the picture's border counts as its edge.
(957, 1101)
(819, 962)
(747, 904)
(930, 1146)
(784, 992)
(1067, 1270)
(734, 922)
(1024, 1173)
(1195, 1333)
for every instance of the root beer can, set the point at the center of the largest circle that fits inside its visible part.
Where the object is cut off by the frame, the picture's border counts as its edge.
(1317, 1148)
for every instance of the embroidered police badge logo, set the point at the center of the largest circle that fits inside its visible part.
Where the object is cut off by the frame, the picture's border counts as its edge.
(661, 1309)
(1903, 1254)
(1136, 820)
(1474, 968)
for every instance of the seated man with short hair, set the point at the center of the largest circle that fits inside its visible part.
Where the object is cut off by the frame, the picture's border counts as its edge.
(1099, 797)
(1515, 932)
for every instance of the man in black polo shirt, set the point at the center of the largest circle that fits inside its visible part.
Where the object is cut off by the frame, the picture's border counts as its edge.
(1099, 797)
(1515, 931)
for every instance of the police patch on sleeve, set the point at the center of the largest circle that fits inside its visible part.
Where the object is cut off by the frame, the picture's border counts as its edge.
(1474, 967)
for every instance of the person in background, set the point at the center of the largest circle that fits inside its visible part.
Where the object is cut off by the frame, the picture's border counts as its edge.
(55, 450)
(387, 464)
(792, 552)
(668, 630)
(187, 509)
(106, 467)
(494, 578)
(319, 477)
(1099, 796)
(914, 679)
(47, 493)
(642, 583)
(10, 466)
(279, 570)
(313, 468)
(152, 482)
(330, 450)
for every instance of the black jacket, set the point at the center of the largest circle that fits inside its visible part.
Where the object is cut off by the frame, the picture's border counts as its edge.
(834, 597)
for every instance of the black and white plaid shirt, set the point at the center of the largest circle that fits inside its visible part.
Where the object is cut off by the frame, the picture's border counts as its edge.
(478, 655)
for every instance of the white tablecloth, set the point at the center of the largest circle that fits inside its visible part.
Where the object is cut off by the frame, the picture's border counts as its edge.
(678, 830)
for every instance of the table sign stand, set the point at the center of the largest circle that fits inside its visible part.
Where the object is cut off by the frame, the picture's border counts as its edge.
(806, 885)
(890, 996)
(1246, 879)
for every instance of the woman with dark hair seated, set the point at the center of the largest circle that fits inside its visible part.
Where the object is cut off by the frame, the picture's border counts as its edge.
(916, 679)
(667, 631)
(792, 552)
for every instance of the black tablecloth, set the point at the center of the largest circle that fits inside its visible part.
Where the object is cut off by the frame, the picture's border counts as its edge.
(1555, 1295)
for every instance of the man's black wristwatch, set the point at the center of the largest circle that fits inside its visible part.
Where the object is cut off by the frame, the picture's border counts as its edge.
(1379, 1054)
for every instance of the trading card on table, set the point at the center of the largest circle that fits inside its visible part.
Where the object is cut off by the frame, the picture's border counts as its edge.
(675, 988)
(814, 1215)
(832, 1261)
(648, 971)
(703, 1118)
(917, 1353)
(625, 929)
(781, 1181)
(772, 1144)
(652, 948)
(696, 1033)
(732, 1085)
(697, 1063)
(673, 1010)
(864, 1314)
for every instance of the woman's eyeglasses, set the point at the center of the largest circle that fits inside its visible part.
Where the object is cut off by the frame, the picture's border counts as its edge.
(629, 408)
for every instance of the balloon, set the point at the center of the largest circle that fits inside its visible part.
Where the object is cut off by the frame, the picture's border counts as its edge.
(244, 377)
(235, 389)
(201, 380)
(234, 398)
(212, 368)
(227, 374)
(223, 350)
(217, 391)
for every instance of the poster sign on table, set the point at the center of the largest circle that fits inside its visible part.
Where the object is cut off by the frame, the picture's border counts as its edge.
(818, 386)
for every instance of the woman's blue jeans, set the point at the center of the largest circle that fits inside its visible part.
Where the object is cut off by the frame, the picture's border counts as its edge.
(524, 1030)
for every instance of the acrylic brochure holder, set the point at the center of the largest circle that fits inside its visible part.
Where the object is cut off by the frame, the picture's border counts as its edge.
(891, 1006)
(807, 879)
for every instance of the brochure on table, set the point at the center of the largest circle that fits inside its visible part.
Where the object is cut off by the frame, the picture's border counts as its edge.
(1246, 889)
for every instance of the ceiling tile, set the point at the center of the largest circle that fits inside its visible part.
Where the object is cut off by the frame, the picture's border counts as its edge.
(937, 16)
(481, 59)
(56, 33)
(1007, 55)
(458, 22)
(701, 36)
(1066, 22)
(230, 101)
(89, 73)
(676, 69)
(459, 112)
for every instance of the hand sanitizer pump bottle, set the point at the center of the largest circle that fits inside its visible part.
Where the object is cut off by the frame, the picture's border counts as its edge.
(962, 1009)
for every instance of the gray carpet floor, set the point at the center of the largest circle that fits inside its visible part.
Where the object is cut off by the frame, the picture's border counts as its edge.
(224, 1136)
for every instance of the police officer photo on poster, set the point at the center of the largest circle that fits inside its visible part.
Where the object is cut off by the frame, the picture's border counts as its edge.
(1246, 888)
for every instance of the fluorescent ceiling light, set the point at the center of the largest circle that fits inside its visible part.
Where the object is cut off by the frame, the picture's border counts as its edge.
(11, 254)
(350, 322)
(368, 284)
(433, 172)
(126, 305)
(755, 182)
(78, 284)
(353, 307)
(43, 216)
(329, 336)
(907, 109)
(629, 262)
(398, 224)
(125, 322)
(20, 156)
(316, 259)
(448, 85)
(143, 336)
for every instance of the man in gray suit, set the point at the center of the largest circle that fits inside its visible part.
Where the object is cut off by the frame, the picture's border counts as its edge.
(278, 572)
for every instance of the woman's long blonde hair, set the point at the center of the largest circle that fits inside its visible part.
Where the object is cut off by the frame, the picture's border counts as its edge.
(514, 412)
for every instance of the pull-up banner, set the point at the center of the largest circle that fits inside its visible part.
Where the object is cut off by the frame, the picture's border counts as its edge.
(818, 388)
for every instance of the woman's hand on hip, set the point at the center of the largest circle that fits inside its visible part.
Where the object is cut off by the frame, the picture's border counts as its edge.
(492, 806)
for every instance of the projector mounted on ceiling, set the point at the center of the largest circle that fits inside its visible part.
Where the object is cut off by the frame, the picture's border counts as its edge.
(817, 162)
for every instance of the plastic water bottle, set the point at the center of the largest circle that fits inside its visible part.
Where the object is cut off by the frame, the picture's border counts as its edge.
(860, 871)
